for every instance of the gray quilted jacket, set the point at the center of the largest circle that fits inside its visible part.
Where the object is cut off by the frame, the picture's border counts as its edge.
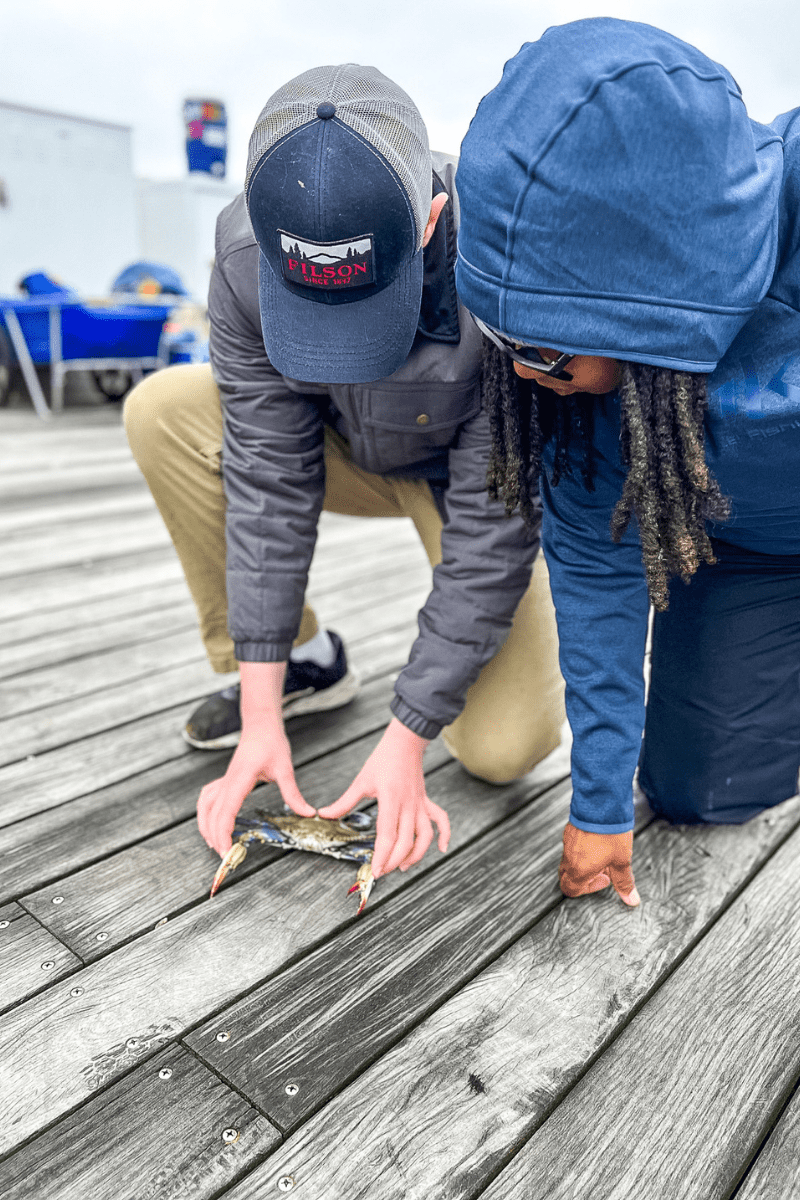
(275, 474)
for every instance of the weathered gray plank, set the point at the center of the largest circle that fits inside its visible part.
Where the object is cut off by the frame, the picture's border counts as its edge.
(66, 479)
(55, 843)
(151, 688)
(775, 1174)
(126, 894)
(66, 512)
(679, 1103)
(38, 451)
(149, 1136)
(64, 587)
(31, 956)
(99, 539)
(47, 687)
(55, 647)
(320, 1023)
(483, 1072)
(91, 613)
(178, 974)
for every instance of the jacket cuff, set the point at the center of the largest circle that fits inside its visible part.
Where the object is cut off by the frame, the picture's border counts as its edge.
(590, 828)
(414, 720)
(262, 651)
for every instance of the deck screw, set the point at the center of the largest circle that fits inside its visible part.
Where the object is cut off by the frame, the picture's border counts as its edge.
(76, 991)
(163, 921)
(165, 1073)
(132, 1043)
(58, 899)
(223, 1037)
(48, 966)
(4, 924)
(101, 937)
(292, 1089)
(230, 1135)
(285, 1183)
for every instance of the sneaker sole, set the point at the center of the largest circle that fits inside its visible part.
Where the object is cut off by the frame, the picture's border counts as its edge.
(336, 696)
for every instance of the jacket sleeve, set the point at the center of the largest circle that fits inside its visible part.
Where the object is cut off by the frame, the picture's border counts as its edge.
(274, 474)
(601, 602)
(484, 572)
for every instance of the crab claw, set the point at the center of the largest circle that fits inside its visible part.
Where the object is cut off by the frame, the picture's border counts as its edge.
(363, 885)
(230, 862)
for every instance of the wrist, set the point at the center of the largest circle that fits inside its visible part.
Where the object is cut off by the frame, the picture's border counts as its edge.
(402, 736)
(261, 700)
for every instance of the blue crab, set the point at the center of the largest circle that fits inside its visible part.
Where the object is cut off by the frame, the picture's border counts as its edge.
(346, 838)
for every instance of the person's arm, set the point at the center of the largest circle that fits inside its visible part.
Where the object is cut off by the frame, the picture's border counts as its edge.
(485, 570)
(484, 573)
(273, 470)
(601, 602)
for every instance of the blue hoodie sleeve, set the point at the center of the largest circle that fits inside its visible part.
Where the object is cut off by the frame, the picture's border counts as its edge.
(600, 595)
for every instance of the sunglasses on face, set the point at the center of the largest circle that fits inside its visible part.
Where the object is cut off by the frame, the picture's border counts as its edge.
(528, 356)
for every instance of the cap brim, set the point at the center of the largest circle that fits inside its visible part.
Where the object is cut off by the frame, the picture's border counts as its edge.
(340, 343)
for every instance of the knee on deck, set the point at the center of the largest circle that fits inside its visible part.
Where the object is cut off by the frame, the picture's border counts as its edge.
(498, 759)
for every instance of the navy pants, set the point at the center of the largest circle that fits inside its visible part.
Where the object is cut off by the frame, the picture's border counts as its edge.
(722, 733)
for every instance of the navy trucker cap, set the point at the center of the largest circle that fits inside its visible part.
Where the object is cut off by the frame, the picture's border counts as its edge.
(338, 189)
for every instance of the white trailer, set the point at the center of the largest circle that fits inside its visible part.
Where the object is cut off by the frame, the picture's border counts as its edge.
(67, 199)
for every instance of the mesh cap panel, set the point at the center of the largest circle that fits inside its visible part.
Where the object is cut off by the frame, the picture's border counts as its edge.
(374, 107)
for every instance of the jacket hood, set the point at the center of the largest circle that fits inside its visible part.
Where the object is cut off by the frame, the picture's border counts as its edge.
(617, 199)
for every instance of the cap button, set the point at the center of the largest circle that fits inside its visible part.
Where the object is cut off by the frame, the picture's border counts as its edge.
(326, 111)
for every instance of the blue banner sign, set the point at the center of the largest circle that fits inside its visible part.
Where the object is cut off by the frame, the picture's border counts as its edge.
(206, 136)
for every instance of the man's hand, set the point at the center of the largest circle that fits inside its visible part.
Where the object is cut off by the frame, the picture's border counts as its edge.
(593, 861)
(393, 774)
(262, 756)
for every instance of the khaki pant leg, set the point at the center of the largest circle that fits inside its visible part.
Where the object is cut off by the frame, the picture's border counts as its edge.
(514, 711)
(173, 420)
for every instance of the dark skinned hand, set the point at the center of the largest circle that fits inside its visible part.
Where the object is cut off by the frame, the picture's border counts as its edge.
(593, 861)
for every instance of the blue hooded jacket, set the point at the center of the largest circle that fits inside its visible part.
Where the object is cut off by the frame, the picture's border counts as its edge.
(618, 201)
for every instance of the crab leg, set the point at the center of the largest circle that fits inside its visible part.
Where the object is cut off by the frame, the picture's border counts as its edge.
(363, 885)
(230, 862)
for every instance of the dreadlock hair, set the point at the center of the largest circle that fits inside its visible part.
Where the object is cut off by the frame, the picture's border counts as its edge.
(668, 487)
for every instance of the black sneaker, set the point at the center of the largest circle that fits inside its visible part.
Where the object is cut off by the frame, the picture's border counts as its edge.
(308, 688)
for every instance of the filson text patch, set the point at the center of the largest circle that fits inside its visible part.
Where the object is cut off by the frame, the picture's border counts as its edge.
(327, 264)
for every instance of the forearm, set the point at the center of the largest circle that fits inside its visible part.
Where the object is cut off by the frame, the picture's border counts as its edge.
(484, 572)
(601, 605)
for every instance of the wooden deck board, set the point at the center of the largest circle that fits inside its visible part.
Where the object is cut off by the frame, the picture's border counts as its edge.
(184, 971)
(472, 1034)
(476, 1077)
(32, 957)
(775, 1173)
(324, 1020)
(706, 1066)
(159, 1132)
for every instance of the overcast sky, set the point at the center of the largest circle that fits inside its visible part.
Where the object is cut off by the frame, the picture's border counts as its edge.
(133, 63)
